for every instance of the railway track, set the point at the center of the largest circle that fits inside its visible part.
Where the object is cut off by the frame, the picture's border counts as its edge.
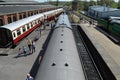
(90, 70)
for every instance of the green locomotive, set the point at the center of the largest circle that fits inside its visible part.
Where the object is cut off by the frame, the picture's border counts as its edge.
(112, 25)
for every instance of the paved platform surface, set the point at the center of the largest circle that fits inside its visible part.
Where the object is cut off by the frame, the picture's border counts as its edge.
(107, 49)
(12, 68)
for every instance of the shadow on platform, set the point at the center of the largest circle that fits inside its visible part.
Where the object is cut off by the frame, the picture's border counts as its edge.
(23, 55)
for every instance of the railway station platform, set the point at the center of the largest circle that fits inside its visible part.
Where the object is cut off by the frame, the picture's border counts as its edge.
(109, 51)
(12, 68)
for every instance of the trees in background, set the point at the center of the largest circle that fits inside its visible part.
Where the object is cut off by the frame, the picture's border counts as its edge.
(118, 5)
(84, 4)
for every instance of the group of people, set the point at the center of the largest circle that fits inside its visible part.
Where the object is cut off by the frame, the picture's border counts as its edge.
(88, 20)
(31, 46)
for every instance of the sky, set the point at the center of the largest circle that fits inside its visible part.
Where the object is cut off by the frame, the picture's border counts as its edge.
(62, 0)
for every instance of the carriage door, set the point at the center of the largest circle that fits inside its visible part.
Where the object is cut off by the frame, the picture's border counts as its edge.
(9, 37)
(4, 37)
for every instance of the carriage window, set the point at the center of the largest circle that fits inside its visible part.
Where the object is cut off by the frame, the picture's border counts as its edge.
(24, 29)
(14, 35)
(9, 19)
(1, 22)
(36, 21)
(18, 32)
(32, 23)
(28, 27)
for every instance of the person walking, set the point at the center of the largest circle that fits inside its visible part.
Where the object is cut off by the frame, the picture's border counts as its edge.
(29, 43)
(90, 22)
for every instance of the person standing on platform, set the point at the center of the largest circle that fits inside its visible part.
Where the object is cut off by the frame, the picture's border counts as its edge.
(40, 32)
(40, 58)
(19, 52)
(51, 26)
(29, 77)
(33, 46)
(24, 50)
(29, 43)
(90, 22)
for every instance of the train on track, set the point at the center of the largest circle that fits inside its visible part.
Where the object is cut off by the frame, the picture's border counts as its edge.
(12, 33)
(112, 25)
(61, 59)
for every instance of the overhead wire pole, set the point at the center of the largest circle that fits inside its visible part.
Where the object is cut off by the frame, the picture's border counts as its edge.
(97, 2)
(119, 4)
(57, 2)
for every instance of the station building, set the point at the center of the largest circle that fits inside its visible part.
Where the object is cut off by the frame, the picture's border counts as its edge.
(103, 12)
(11, 12)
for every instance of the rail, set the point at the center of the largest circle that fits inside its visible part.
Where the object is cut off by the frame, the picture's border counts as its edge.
(89, 67)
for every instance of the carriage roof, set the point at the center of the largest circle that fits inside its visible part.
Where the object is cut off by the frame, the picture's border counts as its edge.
(115, 21)
(14, 25)
(63, 21)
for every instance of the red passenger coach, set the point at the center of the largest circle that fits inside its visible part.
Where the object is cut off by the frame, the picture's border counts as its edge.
(12, 33)
(52, 14)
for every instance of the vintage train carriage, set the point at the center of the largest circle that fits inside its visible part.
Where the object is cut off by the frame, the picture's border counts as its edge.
(114, 27)
(58, 12)
(52, 14)
(110, 25)
(12, 33)
(63, 20)
(103, 23)
(61, 60)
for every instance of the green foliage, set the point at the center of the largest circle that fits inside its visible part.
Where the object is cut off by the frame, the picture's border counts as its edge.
(92, 2)
(86, 5)
(114, 5)
(83, 4)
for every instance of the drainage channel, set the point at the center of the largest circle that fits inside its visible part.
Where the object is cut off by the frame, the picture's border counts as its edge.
(90, 70)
